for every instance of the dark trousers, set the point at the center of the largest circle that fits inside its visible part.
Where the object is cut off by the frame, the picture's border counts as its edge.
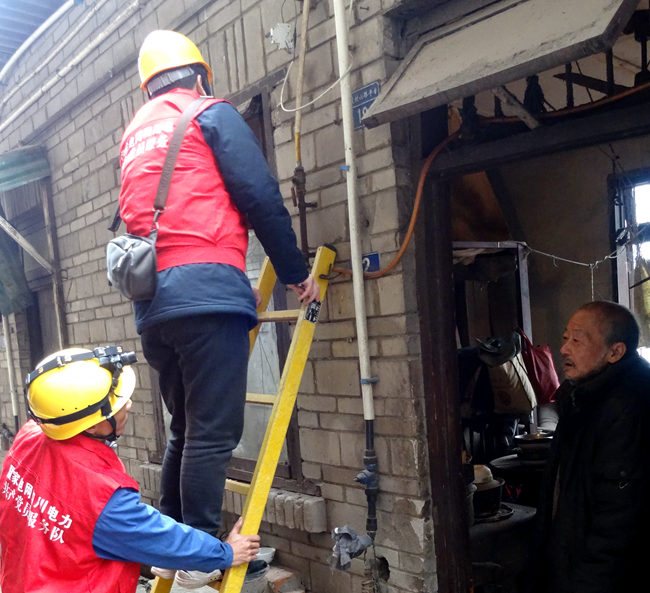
(202, 362)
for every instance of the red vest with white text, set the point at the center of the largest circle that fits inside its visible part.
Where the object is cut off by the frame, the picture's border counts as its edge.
(200, 223)
(52, 495)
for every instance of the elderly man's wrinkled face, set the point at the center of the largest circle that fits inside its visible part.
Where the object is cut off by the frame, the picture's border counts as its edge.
(584, 350)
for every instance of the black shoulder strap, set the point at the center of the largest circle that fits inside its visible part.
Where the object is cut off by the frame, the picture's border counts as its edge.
(172, 153)
(170, 162)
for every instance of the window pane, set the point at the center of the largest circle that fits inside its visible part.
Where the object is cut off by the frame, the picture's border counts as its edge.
(642, 202)
(263, 369)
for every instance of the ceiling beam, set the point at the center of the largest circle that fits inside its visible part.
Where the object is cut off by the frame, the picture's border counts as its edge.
(601, 86)
(567, 135)
(520, 111)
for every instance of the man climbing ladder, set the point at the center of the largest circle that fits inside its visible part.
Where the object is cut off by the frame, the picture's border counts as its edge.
(283, 404)
(194, 331)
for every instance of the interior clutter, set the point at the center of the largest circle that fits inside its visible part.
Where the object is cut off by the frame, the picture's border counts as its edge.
(508, 418)
(506, 386)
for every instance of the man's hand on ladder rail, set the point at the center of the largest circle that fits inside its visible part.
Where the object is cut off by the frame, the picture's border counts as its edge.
(244, 547)
(307, 290)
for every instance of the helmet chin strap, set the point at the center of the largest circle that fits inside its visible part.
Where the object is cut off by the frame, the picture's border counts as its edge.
(108, 439)
(111, 438)
(106, 410)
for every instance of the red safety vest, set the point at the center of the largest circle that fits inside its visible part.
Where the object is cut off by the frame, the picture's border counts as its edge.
(201, 223)
(52, 495)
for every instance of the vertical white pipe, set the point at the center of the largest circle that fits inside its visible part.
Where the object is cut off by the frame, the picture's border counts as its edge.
(302, 52)
(10, 370)
(353, 210)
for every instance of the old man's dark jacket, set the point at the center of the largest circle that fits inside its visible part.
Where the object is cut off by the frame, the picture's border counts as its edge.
(593, 516)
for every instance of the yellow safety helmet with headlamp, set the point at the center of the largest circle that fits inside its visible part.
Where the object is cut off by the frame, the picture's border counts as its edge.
(74, 389)
(165, 50)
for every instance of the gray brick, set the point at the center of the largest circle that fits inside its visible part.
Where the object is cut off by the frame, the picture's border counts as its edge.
(269, 511)
(232, 58)
(350, 405)
(320, 446)
(329, 145)
(317, 78)
(350, 348)
(314, 515)
(367, 40)
(340, 377)
(255, 64)
(311, 471)
(322, 33)
(280, 508)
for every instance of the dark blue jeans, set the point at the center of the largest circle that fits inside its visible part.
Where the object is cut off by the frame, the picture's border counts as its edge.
(202, 362)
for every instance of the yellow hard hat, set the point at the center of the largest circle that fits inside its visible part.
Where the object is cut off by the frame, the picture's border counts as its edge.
(74, 389)
(164, 50)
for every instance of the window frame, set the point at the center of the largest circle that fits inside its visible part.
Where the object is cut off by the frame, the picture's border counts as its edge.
(623, 218)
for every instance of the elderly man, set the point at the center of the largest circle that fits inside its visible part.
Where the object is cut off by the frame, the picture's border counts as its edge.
(593, 516)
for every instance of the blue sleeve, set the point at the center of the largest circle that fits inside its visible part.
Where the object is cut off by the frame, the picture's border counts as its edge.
(253, 188)
(131, 531)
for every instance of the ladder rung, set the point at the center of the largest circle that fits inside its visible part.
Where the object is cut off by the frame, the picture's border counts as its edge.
(261, 398)
(238, 487)
(277, 316)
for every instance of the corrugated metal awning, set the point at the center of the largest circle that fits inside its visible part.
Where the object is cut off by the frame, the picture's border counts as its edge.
(23, 166)
(18, 20)
(506, 41)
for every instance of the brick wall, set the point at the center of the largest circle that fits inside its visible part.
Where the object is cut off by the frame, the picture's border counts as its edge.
(80, 119)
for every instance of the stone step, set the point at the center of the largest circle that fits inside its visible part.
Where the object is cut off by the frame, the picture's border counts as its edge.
(284, 580)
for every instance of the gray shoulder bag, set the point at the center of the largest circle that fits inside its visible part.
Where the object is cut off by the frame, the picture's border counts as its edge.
(131, 264)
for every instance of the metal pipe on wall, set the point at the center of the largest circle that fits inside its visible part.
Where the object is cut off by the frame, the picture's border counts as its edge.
(299, 179)
(368, 476)
(57, 285)
(353, 210)
(11, 372)
(301, 75)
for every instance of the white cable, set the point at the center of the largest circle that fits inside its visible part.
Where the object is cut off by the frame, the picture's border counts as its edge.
(327, 90)
(594, 265)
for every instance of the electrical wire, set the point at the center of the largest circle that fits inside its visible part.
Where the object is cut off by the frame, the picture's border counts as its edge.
(414, 214)
(327, 90)
(300, 107)
(595, 264)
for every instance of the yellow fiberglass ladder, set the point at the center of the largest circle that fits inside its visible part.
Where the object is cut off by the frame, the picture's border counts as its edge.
(283, 402)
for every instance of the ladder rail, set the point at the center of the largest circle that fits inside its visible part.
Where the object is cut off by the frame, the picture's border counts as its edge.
(280, 416)
(265, 283)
